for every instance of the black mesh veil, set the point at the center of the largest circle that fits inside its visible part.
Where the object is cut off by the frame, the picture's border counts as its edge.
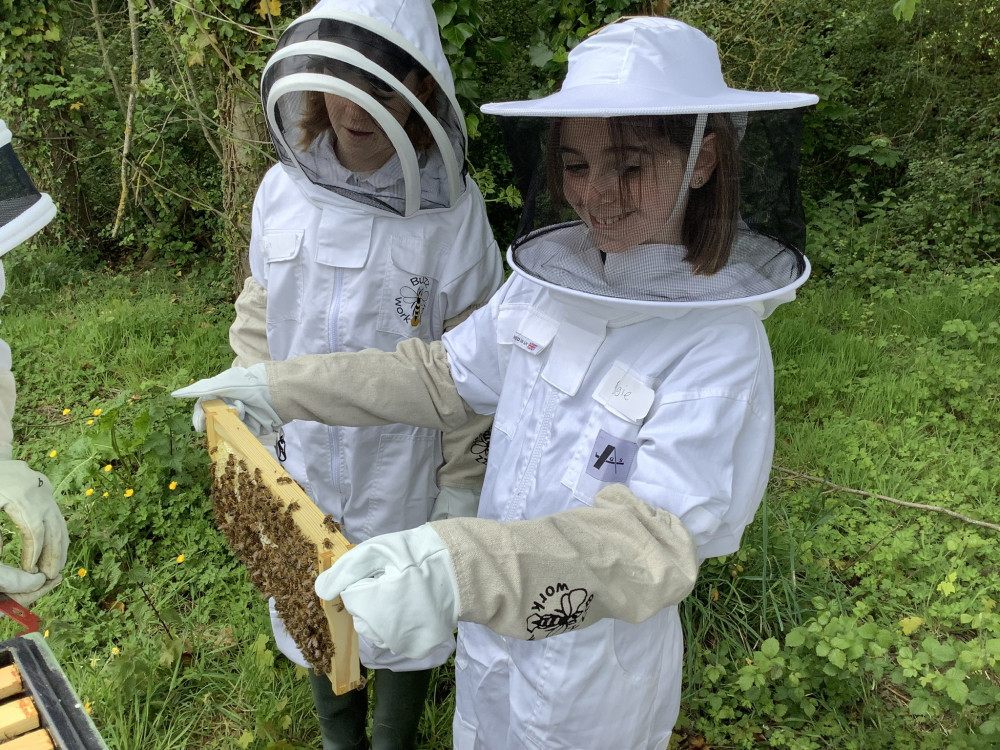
(17, 191)
(724, 226)
(364, 118)
(23, 209)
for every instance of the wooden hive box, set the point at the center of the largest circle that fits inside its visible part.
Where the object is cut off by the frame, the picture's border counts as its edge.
(39, 709)
(284, 540)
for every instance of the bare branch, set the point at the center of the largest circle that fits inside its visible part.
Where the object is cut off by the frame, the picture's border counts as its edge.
(106, 57)
(191, 91)
(865, 493)
(133, 25)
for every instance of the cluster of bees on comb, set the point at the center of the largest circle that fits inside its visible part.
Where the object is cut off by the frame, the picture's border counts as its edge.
(281, 561)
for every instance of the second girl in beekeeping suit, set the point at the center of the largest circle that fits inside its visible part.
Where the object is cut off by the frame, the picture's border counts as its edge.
(630, 377)
(368, 232)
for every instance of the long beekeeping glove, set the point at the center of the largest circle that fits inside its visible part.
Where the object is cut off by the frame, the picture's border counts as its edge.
(243, 388)
(26, 496)
(524, 579)
(400, 588)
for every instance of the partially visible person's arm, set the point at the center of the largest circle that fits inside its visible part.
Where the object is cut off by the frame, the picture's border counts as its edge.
(248, 333)
(27, 497)
(465, 451)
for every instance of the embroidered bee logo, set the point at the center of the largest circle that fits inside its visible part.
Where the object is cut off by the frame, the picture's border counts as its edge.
(481, 447)
(558, 609)
(412, 300)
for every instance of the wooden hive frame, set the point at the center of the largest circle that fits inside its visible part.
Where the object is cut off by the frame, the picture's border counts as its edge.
(237, 458)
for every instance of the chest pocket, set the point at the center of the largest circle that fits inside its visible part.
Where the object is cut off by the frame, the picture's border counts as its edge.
(410, 289)
(608, 447)
(285, 275)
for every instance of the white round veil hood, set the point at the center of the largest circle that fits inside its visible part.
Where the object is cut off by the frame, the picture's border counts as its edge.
(365, 52)
(408, 23)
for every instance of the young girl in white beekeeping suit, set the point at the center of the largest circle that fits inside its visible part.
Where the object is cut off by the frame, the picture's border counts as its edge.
(631, 381)
(25, 495)
(367, 233)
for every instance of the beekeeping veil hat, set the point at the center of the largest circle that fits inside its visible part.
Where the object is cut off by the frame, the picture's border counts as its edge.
(383, 61)
(644, 101)
(23, 210)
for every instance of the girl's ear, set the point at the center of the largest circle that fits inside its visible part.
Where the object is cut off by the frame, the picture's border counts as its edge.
(704, 166)
(425, 88)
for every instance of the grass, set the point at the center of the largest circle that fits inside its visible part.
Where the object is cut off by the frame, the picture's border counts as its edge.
(880, 391)
(886, 390)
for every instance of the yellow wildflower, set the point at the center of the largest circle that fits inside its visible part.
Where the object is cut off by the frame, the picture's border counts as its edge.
(45, 634)
(107, 467)
(86, 707)
(82, 572)
(97, 412)
(65, 412)
(180, 558)
(172, 486)
(129, 492)
(53, 454)
(105, 495)
(115, 651)
(90, 421)
(89, 492)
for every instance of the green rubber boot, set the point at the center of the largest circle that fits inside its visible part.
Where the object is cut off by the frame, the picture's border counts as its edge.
(399, 703)
(343, 719)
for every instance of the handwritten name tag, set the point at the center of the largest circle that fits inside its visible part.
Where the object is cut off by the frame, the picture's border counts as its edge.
(624, 395)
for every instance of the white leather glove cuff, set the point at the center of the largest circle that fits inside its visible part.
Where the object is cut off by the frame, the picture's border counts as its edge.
(26, 496)
(400, 588)
(244, 388)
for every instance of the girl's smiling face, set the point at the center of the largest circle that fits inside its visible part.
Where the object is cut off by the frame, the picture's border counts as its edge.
(625, 193)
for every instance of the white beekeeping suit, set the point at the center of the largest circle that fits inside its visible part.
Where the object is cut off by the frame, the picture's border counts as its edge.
(25, 495)
(369, 231)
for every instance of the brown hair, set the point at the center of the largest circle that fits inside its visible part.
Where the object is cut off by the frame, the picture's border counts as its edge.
(712, 212)
(315, 121)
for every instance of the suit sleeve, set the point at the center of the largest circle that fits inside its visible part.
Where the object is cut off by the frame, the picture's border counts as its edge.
(248, 333)
(531, 579)
(464, 448)
(7, 398)
(412, 385)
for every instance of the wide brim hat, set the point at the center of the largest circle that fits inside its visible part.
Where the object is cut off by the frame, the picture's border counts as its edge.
(647, 66)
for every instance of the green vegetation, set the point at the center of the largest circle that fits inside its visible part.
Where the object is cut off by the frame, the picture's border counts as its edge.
(848, 621)
(845, 621)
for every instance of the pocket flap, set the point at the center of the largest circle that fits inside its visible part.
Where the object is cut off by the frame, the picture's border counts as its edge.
(282, 244)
